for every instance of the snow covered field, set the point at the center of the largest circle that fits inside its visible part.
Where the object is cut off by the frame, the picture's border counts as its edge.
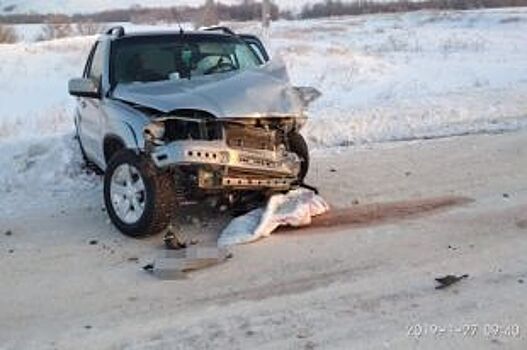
(384, 78)
(419, 75)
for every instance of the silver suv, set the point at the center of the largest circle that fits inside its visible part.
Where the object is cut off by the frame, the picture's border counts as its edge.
(176, 117)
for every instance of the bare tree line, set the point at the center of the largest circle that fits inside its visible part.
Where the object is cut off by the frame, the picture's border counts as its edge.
(329, 8)
(211, 13)
(245, 11)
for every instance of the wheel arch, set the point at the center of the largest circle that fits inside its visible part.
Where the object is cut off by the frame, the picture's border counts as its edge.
(111, 145)
(121, 135)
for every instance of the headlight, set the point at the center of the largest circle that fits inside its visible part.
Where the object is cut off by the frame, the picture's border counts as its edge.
(155, 131)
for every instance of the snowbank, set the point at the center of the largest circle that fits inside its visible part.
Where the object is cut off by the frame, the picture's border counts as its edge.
(35, 100)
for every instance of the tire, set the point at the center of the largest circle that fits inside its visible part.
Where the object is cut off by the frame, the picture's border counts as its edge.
(135, 212)
(298, 145)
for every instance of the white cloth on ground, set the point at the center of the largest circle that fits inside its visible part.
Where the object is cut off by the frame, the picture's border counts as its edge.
(295, 208)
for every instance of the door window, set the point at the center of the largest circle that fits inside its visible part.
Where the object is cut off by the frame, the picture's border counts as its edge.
(96, 65)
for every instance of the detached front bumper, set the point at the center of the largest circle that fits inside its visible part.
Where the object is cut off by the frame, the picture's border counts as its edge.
(223, 167)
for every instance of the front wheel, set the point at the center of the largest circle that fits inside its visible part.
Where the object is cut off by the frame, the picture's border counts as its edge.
(298, 145)
(139, 199)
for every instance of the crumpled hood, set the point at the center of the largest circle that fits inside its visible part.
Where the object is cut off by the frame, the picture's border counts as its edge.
(264, 91)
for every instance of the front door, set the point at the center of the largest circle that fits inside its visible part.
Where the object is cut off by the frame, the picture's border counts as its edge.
(89, 123)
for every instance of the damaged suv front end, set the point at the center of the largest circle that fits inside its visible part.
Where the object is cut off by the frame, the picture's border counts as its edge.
(215, 155)
(225, 132)
(187, 115)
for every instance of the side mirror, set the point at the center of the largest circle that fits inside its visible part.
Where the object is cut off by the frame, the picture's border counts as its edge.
(82, 87)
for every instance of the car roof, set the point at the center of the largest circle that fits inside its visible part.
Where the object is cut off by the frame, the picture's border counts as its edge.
(174, 32)
(118, 33)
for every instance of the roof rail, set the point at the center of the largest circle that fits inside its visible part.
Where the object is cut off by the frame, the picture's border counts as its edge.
(225, 30)
(117, 31)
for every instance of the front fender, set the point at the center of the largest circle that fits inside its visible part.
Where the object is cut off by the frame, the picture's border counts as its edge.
(126, 123)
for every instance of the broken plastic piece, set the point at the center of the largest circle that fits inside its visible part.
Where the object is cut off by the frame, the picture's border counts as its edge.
(176, 263)
(449, 280)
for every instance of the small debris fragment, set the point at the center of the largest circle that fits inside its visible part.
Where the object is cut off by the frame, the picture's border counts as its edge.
(408, 173)
(94, 242)
(149, 267)
(310, 345)
(173, 241)
(11, 251)
(133, 259)
(449, 280)
(355, 202)
(521, 281)
(452, 248)
(522, 224)
(333, 170)
(303, 334)
(176, 264)
(9, 233)
(506, 195)
(88, 327)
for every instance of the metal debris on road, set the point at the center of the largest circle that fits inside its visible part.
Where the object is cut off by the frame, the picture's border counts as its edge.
(449, 280)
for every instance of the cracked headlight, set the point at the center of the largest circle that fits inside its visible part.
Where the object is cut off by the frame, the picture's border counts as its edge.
(155, 131)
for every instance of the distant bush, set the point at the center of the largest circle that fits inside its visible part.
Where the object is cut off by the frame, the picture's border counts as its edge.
(53, 31)
(88, 28)
(209, 15)
(327, 8)
(7, 35)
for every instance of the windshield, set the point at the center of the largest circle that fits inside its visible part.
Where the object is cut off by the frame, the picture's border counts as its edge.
(174, 57)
